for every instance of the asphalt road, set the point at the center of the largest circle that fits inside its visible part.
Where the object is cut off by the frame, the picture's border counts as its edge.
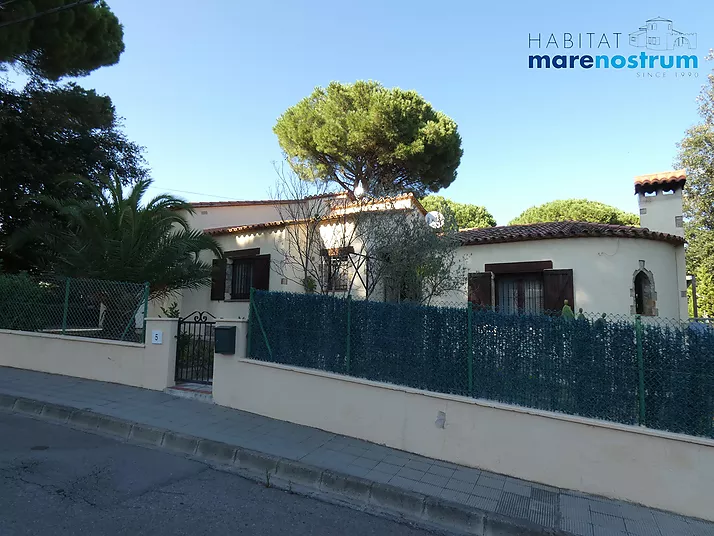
(55, 481)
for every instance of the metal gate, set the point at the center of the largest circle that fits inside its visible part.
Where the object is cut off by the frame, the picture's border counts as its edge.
(195, 348)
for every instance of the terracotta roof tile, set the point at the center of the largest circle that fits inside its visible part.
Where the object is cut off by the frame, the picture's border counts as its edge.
(664, 180)
(560, 229)
(335, 215)
(385, 199)
(243, 228)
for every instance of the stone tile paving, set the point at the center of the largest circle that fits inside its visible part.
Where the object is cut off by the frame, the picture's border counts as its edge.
(576, 513)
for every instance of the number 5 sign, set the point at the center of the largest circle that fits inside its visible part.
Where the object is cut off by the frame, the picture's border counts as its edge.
(157, 336)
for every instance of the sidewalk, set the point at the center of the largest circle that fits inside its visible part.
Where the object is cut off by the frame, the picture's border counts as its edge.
(553, 510)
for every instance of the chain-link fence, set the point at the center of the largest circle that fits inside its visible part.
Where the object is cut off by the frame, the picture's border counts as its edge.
(80, 307)
(650, 371)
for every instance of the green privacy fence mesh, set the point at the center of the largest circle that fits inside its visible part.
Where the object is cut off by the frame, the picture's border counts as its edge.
(651, 371)
(80, 307)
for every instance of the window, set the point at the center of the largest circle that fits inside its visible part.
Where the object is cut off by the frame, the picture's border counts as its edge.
(335, 273)
(521, 287)
(241, 278)
(678, 221)
(520, 294)
(644, 295)
(234, 275)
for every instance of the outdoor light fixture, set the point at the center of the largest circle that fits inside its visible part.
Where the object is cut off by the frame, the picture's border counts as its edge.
(359, 190)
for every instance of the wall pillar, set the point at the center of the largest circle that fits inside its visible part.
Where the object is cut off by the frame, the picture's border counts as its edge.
(222, 384)
(160, 358)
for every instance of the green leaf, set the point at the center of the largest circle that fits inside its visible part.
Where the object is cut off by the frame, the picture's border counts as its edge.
(391, 140)
(576, 210)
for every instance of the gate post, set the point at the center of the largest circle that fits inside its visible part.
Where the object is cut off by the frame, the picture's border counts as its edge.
(162, 355)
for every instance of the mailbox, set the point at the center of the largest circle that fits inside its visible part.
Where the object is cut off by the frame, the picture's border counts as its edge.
(225, 340)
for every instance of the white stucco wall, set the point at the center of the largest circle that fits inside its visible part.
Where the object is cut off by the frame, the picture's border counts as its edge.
(661, 211)
(150, 366)
(603, 269)
(273, 242)
(268, 241)
(657, 469)
(231, 216)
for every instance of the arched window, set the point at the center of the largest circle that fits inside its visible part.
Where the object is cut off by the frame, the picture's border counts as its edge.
(642, 287)
(643, 292)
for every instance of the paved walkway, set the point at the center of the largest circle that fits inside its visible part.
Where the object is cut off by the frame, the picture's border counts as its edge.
(572, 512)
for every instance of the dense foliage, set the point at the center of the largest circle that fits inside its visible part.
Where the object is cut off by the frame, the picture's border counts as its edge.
(696, 154)
(69, 42)
(467, 216)
(390, 140)
(576, 210)
(113, 236)
(50, 136)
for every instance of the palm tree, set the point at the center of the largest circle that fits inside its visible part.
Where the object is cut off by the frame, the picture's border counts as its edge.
(112, 236)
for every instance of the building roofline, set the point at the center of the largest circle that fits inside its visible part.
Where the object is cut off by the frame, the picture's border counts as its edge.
(332, 217)
(278, 223)
(247, 203)
(665, 180)
(238, 203)
(559, 230)
(387, 199)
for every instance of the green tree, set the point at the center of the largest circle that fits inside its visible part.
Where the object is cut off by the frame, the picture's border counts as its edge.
(467, 216)
(114, 236)
(409, 260)
(69, 42)
(696, 155)
(576, 210)
(49, 136)
(390, 140)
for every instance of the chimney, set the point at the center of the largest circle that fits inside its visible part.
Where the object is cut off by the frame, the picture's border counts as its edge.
(660, 199)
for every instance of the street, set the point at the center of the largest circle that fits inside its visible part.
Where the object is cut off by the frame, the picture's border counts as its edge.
(55, 481)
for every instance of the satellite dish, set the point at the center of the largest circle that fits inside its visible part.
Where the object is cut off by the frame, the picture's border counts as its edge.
(434, 219)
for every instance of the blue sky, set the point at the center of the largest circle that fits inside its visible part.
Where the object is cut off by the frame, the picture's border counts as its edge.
(201, 86)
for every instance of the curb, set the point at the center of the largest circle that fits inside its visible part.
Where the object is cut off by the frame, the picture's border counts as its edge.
(273, 471)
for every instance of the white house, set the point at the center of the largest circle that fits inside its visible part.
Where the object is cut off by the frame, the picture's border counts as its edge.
(260, 248)
(599, 268)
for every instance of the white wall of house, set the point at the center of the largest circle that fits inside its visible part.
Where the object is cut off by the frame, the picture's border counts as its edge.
(662, 211)
(603, 269)
(269, 241)
(236, 215)
(232, 216)
(273, 242)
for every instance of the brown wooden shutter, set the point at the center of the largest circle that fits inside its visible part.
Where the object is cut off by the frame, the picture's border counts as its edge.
(261, 272)
(481, 290)
(218, 279)
(558, 287)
